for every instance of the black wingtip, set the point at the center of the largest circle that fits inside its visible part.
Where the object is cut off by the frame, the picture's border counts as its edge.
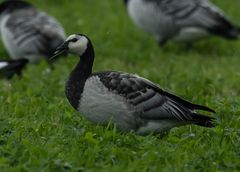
(226, 30)
(204, 121)
(204, 108)
(238, 32)
(234, 33)
(188, 104)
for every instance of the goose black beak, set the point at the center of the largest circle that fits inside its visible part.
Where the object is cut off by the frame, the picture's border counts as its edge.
(63, 48)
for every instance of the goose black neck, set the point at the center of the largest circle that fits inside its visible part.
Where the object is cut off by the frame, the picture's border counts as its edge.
(79, 75)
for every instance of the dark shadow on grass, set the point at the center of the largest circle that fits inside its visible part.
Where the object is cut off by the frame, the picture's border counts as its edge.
(206, 48)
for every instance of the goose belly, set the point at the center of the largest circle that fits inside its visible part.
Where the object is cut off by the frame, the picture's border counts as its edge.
(102, 106)
(155, 127)
(190, 34)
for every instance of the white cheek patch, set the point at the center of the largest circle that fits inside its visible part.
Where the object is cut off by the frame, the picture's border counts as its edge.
(78, 47)
(3, 64)
(83, 42)
(71, 37)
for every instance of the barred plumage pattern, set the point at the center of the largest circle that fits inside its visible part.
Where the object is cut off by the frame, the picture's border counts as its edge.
(177, 8)
(149, 100)
(30, 33)
(181, 20)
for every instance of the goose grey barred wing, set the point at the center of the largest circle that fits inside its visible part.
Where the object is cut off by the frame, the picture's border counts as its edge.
(176, 8)
(34, 31)
(215, 21)
(149, 100)
(199, 14)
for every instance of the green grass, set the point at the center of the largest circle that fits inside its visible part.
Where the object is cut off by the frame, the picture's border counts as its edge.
(40, 131)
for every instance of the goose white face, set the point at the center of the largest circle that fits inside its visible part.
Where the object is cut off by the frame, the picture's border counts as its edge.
(77, 44)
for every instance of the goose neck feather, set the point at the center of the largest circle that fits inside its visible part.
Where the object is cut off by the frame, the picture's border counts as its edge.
(78, 77)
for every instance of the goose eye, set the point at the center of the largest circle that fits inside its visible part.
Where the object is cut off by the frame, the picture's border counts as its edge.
(74, 40)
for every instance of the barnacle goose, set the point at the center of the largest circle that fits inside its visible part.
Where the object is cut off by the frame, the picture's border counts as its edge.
(28, 32)
(181, 20)
(132, 103)
(8, 68)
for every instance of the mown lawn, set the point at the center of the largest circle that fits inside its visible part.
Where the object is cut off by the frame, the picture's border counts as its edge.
(40, 131)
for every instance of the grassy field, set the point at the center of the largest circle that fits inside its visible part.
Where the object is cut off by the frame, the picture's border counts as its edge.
(40, 131)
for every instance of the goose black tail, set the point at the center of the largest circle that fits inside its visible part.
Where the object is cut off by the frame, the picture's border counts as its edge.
(238, 31)
(202, 120)
(234, 33)
(204, 108)
(188, 104)
(226, 29)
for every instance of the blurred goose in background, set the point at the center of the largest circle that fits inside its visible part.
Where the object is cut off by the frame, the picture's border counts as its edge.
(8, 68)
(181, 20)
(130, 102)
(28, 32)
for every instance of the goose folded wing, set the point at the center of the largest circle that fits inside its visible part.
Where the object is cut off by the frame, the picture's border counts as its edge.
(177, 9)
(148, 98)
(199, 14)
(35, 31)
